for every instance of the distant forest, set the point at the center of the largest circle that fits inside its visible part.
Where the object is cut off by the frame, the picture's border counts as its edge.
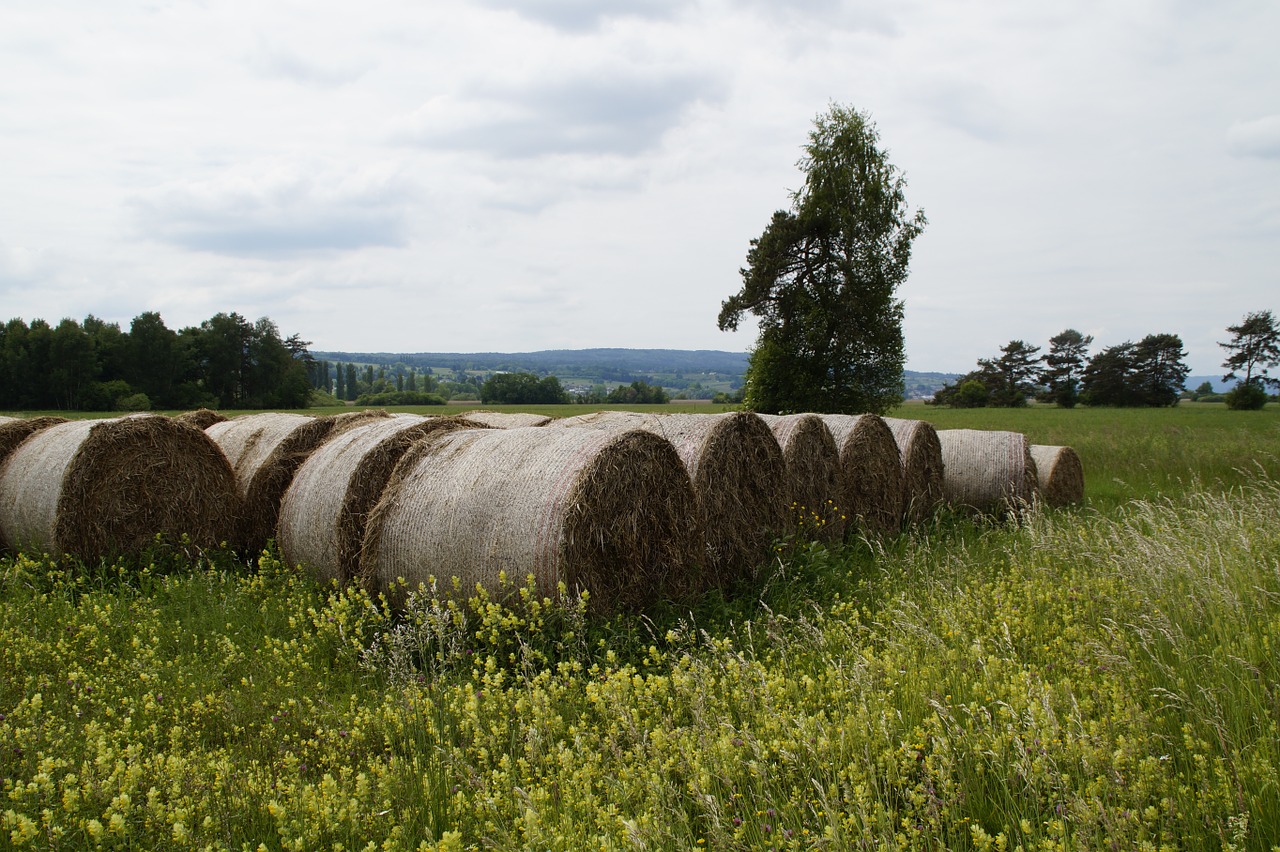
(225, 362)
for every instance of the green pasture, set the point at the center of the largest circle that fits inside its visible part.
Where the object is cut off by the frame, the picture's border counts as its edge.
(1102, 677)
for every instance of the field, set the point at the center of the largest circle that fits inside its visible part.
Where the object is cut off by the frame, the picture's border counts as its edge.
(1098, 678)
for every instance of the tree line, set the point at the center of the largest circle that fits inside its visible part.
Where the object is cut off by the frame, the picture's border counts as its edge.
(1149, 373)
(225, 362)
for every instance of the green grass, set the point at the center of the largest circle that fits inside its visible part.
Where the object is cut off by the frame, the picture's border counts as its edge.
(1098, 678)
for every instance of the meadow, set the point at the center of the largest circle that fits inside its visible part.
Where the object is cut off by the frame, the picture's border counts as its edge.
(1102, 677)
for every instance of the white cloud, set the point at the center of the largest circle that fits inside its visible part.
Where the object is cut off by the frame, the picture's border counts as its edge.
(1257, 138)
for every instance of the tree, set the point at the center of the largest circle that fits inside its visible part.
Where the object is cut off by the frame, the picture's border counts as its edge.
(822, 279)
(1149, 373)
(522, 389)
(1254, 348)
(1064, 367)
(1013, 373)
(1159, 369)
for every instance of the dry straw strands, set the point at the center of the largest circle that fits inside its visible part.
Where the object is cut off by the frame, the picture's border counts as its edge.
(921, 467)
(201, 418)
(507, 419)
(15, 430)
(1060, 474)
(871, 471)
(103, 488)
(813, 473)
(325, 509)
(265, 450)
(738, 474)
(987, 472)
(610, 512)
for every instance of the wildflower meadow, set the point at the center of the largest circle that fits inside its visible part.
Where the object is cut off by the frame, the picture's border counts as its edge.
(1102, 677)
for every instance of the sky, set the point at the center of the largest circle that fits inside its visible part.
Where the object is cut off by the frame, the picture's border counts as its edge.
(506, 175)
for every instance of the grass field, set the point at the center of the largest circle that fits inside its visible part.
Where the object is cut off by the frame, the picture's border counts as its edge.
(1098, 678)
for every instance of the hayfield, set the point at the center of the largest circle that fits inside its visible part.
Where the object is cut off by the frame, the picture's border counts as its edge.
(1099, 677)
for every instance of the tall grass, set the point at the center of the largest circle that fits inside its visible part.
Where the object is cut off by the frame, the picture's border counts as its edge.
(1102, 678)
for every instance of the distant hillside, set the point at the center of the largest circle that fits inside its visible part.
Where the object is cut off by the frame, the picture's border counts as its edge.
(674, 369)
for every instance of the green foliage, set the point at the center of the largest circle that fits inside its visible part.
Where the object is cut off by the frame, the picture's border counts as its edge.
(1148, 373)
(1064, 367)
(522, 389)
(1246, 396)
(400, 398)
(822, 279)
(970, 394)
(1010, 378)
(135, 402)
(1254, 348)
(638, 392)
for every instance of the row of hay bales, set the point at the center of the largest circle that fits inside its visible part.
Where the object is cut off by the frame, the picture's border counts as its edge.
(632, 507)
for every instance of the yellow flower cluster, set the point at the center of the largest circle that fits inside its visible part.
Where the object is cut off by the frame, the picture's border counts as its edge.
(1074, 682)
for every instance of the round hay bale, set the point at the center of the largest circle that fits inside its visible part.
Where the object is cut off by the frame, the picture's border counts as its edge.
(265, 450)
(818, 507)
(507, 419)
(610, 512)
(15, 430)
(871, 471)
(739, 477)
(201, 418)
(351, 419)
(98, 489)
(922, 468)
(987, 472)
(325, 509)
(1060, 475)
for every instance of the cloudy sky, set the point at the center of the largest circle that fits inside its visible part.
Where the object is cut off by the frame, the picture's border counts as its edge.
(481, 175)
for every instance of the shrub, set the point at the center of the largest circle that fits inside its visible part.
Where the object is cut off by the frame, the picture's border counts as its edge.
(1246, 397)
(135, 402)
(400, 398)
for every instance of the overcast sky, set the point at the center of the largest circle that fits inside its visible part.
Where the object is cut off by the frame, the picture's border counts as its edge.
(516, 175)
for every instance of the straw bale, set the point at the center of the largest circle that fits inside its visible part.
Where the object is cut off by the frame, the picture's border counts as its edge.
(265, 450)
(351, 419)
(813, 473)
(738, 474)
(922, 471)
(610, 512)
(201, 418)
(871, 471)
(1060, 475)
(325, 509)
(105, 488)
(15, 430)
(987, 472)
(507, 419)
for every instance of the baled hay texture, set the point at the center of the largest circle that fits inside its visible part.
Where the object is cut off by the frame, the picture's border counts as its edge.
(818, 506)
(987, 472)
(201, 418)
(871, 471)
(14, 430)
(265, 450)
(921, 467)
(104, 488)
(351, 419)
(738, 475)
(1060, 474)
(325, 509)
(610, 512)
(507, 419)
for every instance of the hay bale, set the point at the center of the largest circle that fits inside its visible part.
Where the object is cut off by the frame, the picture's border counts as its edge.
(15, 430)
(352, 419)
(97, 489)
(610, 512)
(507, 419)
(871, 472)
(987, 472)
(201, 418)
(738, 474)
(818, 506)
(1060, 475)
(325, 509)
(265, 450)
(922, 468)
